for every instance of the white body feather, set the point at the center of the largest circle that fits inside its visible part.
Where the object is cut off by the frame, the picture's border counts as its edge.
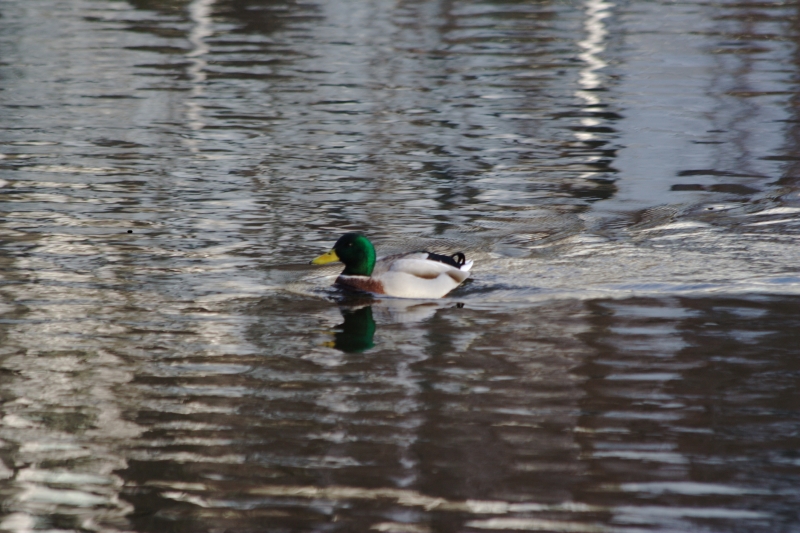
(415, 276)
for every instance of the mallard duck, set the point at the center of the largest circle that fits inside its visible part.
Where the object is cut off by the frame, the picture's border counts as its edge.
(409, 275)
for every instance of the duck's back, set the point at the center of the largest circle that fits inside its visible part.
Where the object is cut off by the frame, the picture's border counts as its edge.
(416, 275)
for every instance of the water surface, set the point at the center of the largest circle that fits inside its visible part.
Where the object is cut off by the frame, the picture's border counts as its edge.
(624, 175)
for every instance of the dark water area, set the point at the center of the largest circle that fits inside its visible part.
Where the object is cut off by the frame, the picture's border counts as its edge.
(624, 358)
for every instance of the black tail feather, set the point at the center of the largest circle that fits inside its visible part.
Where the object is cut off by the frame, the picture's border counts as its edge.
(457, 260)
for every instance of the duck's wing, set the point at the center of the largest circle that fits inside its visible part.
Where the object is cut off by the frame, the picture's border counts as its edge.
(422, 265)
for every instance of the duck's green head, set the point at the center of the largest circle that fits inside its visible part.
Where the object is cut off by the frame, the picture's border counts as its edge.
(355, 251)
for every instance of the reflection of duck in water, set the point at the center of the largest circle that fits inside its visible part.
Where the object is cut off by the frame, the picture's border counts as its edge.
(356, 332)
(410, 275)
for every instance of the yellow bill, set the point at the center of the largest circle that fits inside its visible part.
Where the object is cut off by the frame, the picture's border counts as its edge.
(324, 259)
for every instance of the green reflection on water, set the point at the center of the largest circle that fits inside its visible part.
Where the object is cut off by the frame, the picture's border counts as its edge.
(356, 333)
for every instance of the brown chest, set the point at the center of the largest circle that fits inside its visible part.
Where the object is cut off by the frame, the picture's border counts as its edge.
(361, 283)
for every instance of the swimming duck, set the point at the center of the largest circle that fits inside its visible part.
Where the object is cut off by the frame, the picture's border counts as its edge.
(409, 275)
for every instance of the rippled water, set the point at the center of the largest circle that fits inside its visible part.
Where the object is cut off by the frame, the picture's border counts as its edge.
(623, 359)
